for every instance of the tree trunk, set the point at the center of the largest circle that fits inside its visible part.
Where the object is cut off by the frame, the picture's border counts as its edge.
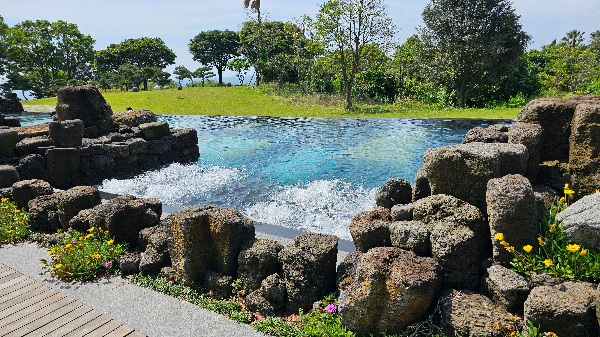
(145, 84)
(257, 68)
(220, 71)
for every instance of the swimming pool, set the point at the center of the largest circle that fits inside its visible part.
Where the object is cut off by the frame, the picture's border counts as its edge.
(312, 174)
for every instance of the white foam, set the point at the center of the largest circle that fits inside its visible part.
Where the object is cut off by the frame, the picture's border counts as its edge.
(175, 184)
(321, 206)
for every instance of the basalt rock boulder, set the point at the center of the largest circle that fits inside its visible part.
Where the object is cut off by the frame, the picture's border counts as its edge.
(529, 135)
(134, 118)
(30, 145)
(68, 133)
(584, 146)
(505, 287)
(8, 176)
(202, 238)
(61, 164)
(156, 253)
(512, 211)
(308, 269)
(371, 229)
(460, 238)
(128, 263)
(257, 260)
(421, 189)
(581, 221)
(410, 235)
(395, 191)
(125, 216)
(346, 270)
(568, 309)
(8, 142)
(85, 103)
(402, 212)
(32, 166)
(26, 190)
(464, 313)
(464, 170)
(220, 285)
(485, 135)
(392, 289)
(155, 130)
(269, 299)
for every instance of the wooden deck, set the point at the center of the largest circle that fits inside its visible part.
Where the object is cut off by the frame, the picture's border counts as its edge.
(29, 308)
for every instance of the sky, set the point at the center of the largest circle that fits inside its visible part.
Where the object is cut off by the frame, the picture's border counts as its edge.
(178, 21)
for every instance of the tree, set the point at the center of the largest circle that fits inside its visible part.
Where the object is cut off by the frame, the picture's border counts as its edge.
(215, 48)
(42, 56)
(595, 42)
(203, 73)
(240, 66)
(162, 78)
(182, 73)
(128, 76)
(144, 52)
(255, 6)
(3, 45)
(346, 27)
(573, 38)
(466, 43)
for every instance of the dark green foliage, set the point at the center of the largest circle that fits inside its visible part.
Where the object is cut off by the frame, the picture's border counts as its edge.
(376, 84)
(215, 48)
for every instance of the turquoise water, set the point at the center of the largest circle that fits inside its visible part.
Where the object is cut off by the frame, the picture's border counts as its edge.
(312, 174)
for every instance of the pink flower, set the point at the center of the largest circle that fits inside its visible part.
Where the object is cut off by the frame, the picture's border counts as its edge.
(331, 308)
(107, 264)
(70, 228)
(73, 241)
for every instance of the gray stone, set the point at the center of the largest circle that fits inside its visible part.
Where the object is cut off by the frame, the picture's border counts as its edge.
(581, 221)
(202, 238)
(26, 190)
(98, 168)
(68, 133)
(584, 146)
(370, 229)
(411, 235)
(392, 289)
(395, 191)
(346, 270)
(219, 284)
(402, 212)
(8, 142)
(117, 150)
(81, 222)
(137, 146)
(28, 146)
(539, 279)
(61, 163)
(85, 103)
(8, 176)
(256, 302)
(506, 288)
(160, 146)
(32, 166)
(134, 118)
(485, 135)
(464, 170)
(185, 138)
(128, 263)
(529, 135)
(156, 253)
(52, 212)
(308, 268)
(512, 211)
(466, 313)
(421, 189)
(568, 309)
(257, 260)
(270, 298)
(155, 130)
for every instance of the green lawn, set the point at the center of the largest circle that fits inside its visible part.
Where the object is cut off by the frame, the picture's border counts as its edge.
(245, 101)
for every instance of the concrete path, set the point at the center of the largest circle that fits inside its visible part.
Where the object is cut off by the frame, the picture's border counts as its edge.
(38, 108)
(148, 312)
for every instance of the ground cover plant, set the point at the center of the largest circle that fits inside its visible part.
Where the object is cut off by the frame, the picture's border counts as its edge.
(556, 255)
(246, 101)
(82, 256)
(14, 225)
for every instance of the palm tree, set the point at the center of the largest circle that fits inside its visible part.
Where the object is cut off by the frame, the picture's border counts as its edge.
(574, 38)
(256, 6)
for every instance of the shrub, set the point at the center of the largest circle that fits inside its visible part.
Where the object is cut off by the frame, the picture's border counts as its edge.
(83, 256)
(14, 224)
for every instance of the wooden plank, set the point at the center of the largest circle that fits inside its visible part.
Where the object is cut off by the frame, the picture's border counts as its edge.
(14, 285)
(80, 316)
(10, 277)
(40, 300)
(32, 325)
(3, 267)
(36, 310)
(104, 329)
(6, 272)
(74, 324)
(23, 294)
(136, 334)
(121, 331)
(89, 327)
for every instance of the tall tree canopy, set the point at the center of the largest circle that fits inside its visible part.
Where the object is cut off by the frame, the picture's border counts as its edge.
(254, 5)
(466, 43)
(215, 48)
(347, 26)
(144, 52)
(42, 56)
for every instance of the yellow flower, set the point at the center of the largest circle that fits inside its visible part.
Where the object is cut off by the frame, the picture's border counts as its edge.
(504, 243)
(552, 228)
(562, 199)
(68, 245)
(597, 191)
(110, 242)
(583, 252)
(10, 231)
(91, 229)
(548, 263)
(527, 248)
(81, 238)
(569, 192)
(4, 199)
(88, 236)
(17, 211)
(566, 186)
(510, 249)
(540, 241)
(499, 236)
(57, 266)
(5, 207)
(96, 256)
(573, 248)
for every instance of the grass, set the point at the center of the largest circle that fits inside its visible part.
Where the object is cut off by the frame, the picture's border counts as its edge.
(246, 101)
(14, 226)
